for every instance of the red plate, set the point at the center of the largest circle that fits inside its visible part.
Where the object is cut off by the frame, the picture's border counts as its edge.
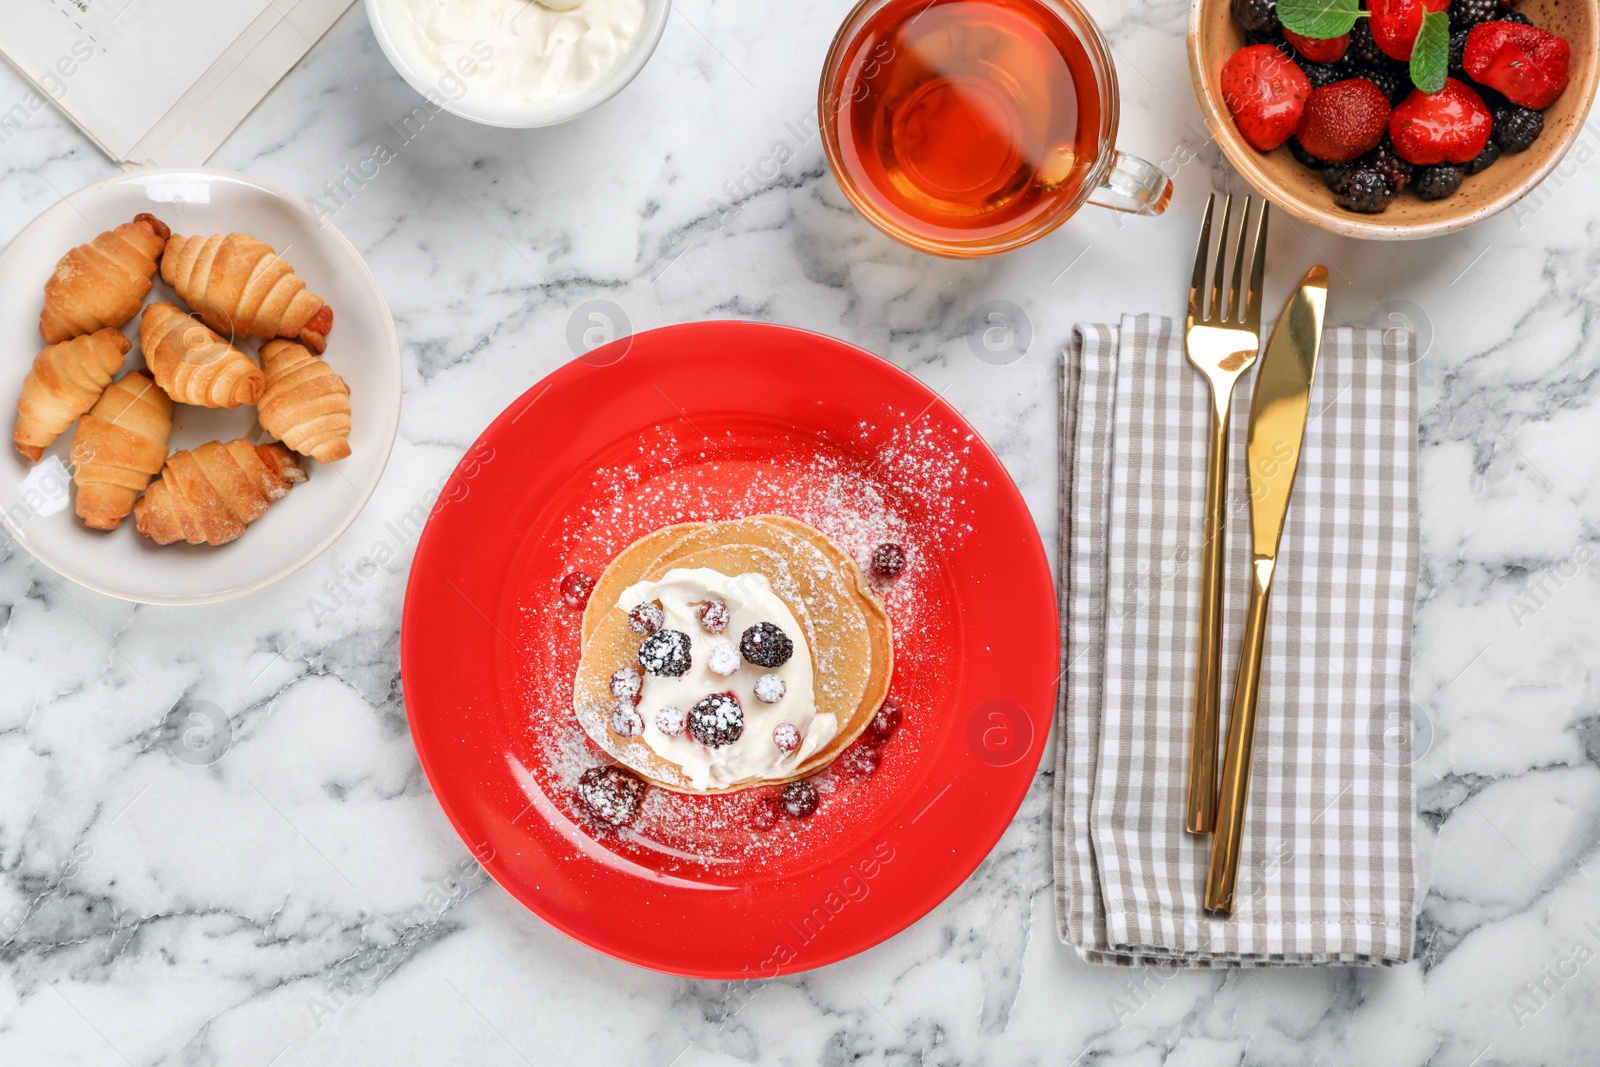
(713, 421)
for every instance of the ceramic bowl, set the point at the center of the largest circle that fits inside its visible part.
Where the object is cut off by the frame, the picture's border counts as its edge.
(1295, 188)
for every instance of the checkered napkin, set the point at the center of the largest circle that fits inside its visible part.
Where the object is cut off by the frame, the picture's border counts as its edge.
(1326, 872)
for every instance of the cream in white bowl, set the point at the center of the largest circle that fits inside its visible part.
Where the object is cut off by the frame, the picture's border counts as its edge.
(518, 62)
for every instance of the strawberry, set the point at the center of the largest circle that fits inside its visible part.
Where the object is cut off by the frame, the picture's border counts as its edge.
(1449, 126)
(1319, 50)
(1265, 92)
(1344, 120)
(1395, 25)
(1436, 5)
(1529, 66)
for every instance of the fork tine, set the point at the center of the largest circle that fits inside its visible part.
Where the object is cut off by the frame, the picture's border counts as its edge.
(1258, 268)
(1198, 282)
(1218, 309)
(1235, 291)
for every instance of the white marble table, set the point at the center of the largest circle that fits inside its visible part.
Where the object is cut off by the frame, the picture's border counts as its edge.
(158, 910)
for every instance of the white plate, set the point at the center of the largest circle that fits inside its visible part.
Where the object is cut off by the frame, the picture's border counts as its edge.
(362, 346)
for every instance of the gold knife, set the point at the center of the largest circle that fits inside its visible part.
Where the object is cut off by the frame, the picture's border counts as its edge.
(1278, 411)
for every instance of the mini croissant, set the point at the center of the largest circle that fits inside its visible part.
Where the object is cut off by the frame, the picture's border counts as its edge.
(306, 404)
(240, 286)
(118, 446)
(65, 380)
(194, 365)
(103, 282)
(208, 496)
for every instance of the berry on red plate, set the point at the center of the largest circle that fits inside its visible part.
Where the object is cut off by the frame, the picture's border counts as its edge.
(575, 589)
(861, 758)
(611, 793)
(800, 799)
(1449, 126)
(1395, 25)
(646, 618)
(885, 722)
(1265, 92)
(1527, 65)
(1344, 120)
(1319, 50)
(766, 814)
(786, 736)
(888, 560)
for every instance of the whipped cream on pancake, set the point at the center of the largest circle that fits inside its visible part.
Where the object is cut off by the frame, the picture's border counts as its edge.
(755, 756)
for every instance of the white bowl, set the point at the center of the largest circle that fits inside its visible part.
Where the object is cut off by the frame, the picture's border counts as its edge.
(362, 346)
(426, 82)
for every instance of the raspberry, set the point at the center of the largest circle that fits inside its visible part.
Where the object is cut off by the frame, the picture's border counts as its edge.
(723, 659)
(717, 720)
(1257, 16)
(1438, 181)
(770, 689)
(1469, 13)
(714, 616)
(611, 794)
(888, 560)
(575, 589)
(626, 720)
(646, 618)
(786, 737)
(665, 653)
(626, 684)
(1517, 127)
(766, 645)
(671, 721)
(1364, 189)
(861, 759)
(885, 722)
(800, 799)
(1484, 160)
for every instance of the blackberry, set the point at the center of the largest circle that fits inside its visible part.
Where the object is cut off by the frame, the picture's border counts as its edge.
(1299, 152)
(611, 794)
(1364, 50)
(1514, 16)
(1517, 127)
(717, 720)
(1321, 74)
(1484, 160)
(1257, 16)
(1468, 13)
(1365, 189)
(1390, 82)
(766, 646)
(1333, 174)
(665, 653)
(1273, 39)
(1386, 159)
(1438, 181)
(1458, 50)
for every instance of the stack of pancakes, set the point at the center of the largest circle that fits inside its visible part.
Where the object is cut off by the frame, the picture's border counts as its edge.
(845, 626)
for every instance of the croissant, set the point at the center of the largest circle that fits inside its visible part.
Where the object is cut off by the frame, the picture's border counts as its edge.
(306, 404)
(118, 446)
(65, 380)
(103, 282)
(240, 286)
(194, 365)
(208, 496)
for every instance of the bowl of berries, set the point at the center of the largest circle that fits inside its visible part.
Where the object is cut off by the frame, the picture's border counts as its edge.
(1394, 119)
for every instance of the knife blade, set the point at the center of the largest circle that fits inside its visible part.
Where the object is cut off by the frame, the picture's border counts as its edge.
(1278, 409)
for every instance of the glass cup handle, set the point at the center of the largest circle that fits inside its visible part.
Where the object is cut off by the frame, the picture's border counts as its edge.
(1134, 186)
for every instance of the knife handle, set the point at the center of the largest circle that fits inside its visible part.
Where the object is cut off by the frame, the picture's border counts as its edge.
(1200, 805)
(1223, 874)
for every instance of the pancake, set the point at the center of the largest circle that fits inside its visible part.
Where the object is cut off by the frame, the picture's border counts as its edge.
(845, 623)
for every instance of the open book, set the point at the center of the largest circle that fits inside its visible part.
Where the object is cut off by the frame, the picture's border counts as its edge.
(159, 82)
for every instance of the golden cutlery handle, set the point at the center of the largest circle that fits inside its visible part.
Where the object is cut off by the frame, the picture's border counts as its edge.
(1223, 874)
(1200, 807)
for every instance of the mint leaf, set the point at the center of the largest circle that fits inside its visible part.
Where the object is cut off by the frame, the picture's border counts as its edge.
(1320, 19)
(1430, 56)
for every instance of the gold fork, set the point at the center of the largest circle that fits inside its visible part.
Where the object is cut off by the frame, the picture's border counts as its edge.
(1222, 341)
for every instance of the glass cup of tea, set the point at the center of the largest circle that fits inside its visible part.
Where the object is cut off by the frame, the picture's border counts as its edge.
(970, 127)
